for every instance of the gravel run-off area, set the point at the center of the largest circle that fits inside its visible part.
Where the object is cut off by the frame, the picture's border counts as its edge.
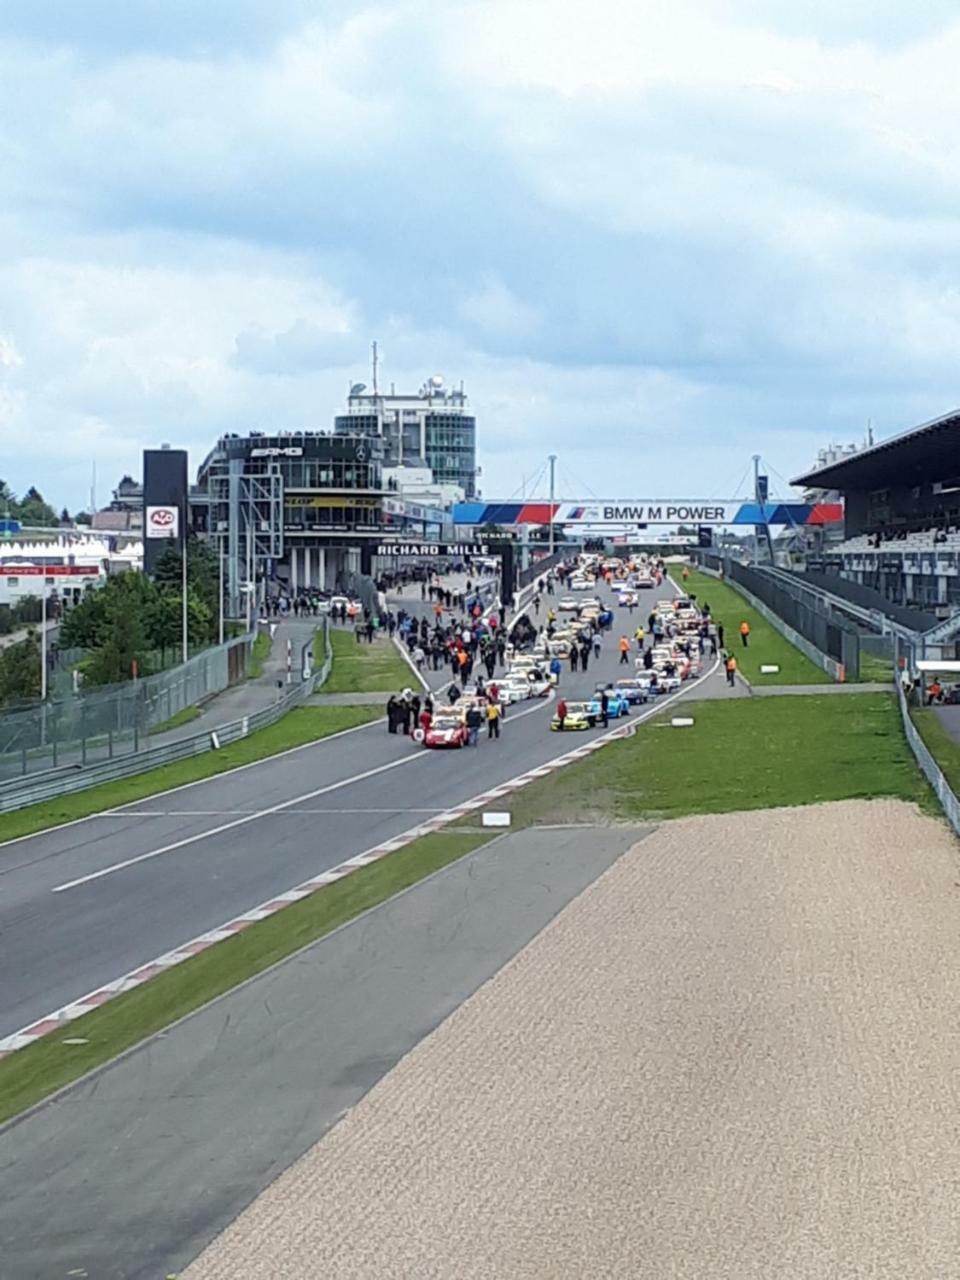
(737, 1054)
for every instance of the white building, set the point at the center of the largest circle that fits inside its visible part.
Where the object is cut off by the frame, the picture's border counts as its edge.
(67, 563)
(431, 429)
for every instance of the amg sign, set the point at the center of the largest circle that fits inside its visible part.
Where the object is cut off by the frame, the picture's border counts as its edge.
(433, 549)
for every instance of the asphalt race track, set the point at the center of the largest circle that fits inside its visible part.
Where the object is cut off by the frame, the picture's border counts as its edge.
(83, 904)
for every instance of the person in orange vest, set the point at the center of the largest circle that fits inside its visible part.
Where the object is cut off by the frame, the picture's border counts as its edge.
(624, 651)
(744, 632)
(686, 573)
(731, 670)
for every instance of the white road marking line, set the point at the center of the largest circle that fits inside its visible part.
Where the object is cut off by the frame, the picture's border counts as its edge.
(228, 813)
(198, 782)
(286, 805)
(239, 822)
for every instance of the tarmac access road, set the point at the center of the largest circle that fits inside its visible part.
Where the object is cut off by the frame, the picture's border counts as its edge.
(83, 904)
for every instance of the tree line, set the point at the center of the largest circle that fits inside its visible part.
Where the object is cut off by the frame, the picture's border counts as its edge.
(130, 623)
(32, 509)
(132, 619)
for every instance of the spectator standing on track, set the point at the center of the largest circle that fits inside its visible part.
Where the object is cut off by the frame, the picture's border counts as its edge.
(561, 712)
(493, 720)
(639, 634)
(745, 632)
(574, 659)
(596, 645)
(604, 708)
(418, 657)
(720, 634)
(624, 647)
(392, 714)
(731, 670)
(555, 669)
(474, 721)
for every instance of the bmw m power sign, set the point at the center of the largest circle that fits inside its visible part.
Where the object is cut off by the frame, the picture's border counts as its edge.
(162, 522)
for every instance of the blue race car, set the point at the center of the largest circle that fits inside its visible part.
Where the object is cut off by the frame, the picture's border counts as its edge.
(617, 705)
(634, 691)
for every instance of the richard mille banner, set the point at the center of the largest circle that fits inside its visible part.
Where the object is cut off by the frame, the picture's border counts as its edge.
(433, 549)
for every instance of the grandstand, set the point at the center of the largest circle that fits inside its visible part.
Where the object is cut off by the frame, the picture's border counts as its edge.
(901, 516)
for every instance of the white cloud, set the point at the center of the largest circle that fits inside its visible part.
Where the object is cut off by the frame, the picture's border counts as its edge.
(498, 313)
(10, 357)
(640, 232)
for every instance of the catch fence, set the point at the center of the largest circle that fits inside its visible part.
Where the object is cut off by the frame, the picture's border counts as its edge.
(111, 721)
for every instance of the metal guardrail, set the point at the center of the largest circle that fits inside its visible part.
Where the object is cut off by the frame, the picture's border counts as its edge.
(35, 788)
(931, 770)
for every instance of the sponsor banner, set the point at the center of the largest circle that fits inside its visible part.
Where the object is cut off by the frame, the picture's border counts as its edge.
(433, 549)
(291, 451)
(49, 571)
(619, 513)
(329, 501)
(648, 511)
(162, 522)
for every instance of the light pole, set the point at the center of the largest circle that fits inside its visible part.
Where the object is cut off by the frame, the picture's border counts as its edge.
(43, 642)
(553, 464)
(183, 584)
(220, 575)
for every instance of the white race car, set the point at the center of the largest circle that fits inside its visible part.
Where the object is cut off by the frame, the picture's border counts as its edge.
(568, 605)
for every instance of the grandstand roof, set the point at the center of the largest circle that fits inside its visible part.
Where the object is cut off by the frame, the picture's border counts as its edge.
(915, 453)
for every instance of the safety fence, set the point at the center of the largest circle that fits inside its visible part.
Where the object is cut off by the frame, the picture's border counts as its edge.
(79, 728)
(931, 770)
(832, 645)
(79, 774)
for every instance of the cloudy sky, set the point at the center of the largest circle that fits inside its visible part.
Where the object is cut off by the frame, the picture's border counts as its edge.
(652, 236)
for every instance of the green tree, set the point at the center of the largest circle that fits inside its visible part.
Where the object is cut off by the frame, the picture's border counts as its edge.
(163, 622)
(203, 583)
(33, 509)
(125, 645)
(20, 670)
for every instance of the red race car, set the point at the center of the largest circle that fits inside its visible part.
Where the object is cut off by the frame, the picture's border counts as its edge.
(446, 731)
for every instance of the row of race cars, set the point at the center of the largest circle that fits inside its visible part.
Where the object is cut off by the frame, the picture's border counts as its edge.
(659, 670)
(670, 661)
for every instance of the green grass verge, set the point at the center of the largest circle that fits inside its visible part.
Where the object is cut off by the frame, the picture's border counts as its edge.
(745, 754)
(363, 668)
(297, 727)
(941, 746)
(766, 644)
(186, 716)
(876, 668)
(259, 653)
(34, 1073)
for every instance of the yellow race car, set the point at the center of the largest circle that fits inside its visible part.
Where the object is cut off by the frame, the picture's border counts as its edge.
(580, 715)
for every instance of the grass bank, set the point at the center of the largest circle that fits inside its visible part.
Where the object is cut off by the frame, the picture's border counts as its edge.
(363, 668)
(767, 645)
(744, 754)
(941, 746)
(300, 726)
(259, 653)
(186, 716)
(34, 1073)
